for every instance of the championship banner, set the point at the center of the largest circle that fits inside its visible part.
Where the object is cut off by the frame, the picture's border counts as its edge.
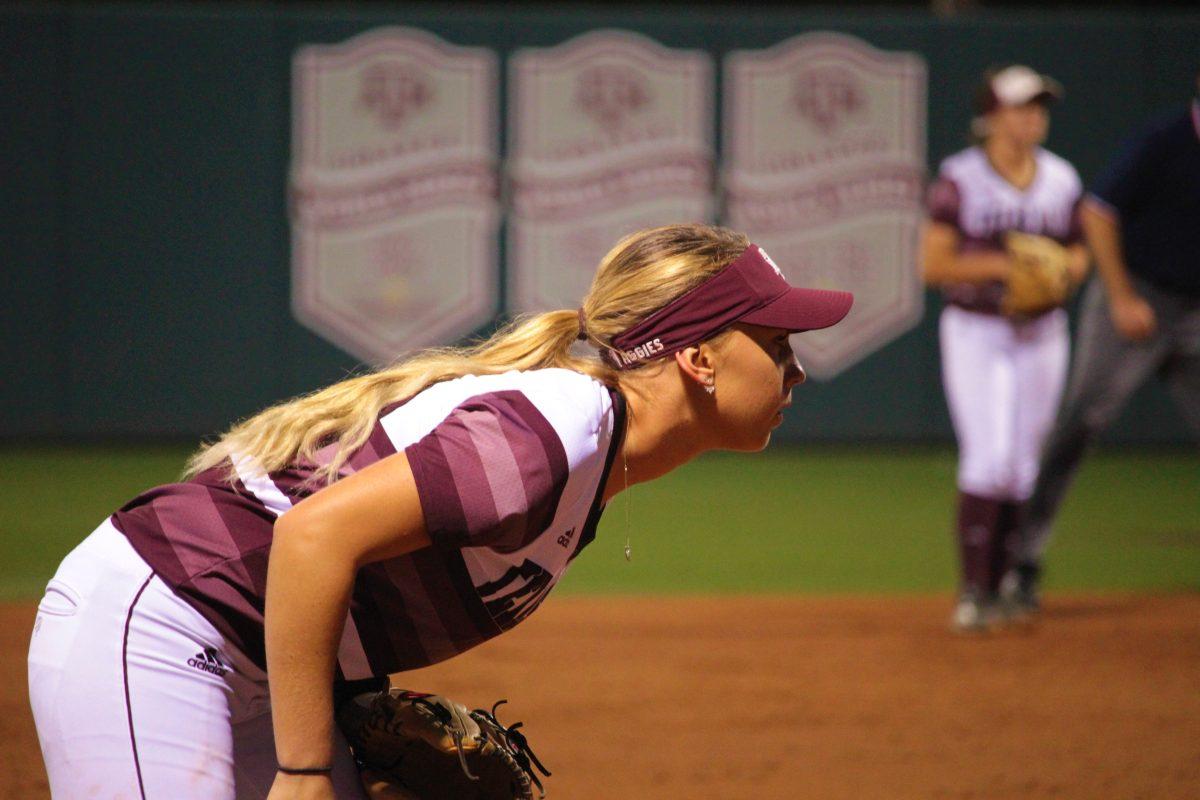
(391, 99)
(608, 133)
(605, 97)
(824, 145)
(558, 258)
(394, 191)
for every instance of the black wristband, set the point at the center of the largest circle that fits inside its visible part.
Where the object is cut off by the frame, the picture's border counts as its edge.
(305, 770)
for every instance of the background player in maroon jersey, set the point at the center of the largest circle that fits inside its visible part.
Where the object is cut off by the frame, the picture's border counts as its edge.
(392, 521)
(1003, 376)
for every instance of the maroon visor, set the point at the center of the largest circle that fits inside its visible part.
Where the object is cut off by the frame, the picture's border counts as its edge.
(751, 290)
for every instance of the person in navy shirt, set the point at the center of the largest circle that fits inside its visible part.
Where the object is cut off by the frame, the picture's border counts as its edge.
(1142, 224)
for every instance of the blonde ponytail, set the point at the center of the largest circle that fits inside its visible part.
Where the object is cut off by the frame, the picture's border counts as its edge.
(643, 273)
(346, 411)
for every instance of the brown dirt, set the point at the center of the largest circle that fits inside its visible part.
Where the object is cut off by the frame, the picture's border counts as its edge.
(812, 698)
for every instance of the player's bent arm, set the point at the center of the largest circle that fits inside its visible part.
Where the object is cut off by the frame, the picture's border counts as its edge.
(942, 263)
(317, 548)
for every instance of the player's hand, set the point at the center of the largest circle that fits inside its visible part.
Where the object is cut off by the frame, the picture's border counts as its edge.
(1132, 316)
(302, 787)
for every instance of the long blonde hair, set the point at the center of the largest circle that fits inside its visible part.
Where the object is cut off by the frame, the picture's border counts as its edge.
(642, 273)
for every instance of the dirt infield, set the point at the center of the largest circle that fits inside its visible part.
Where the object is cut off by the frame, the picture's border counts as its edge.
(731, 698)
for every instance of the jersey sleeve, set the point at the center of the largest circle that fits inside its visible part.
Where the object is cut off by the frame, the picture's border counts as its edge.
(942, 201)
(490, 474)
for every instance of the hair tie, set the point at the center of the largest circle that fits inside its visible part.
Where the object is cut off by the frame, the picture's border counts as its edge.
(582, 335)
(304, 770)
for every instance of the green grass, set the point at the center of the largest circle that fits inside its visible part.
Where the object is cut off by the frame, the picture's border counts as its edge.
(854, 520)
(52, 497)
(822, 520)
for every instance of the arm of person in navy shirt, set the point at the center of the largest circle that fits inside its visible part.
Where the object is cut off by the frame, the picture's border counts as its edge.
(318, 547)
(1131, 315)
(1119, 194)
(942, 261)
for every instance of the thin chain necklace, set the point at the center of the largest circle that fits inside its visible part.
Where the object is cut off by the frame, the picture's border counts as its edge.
(628, 546)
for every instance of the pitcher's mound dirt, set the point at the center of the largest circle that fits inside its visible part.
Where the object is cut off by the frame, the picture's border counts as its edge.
(822, 698)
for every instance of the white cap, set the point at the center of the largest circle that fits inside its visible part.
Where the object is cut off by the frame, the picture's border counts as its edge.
(1018, 85)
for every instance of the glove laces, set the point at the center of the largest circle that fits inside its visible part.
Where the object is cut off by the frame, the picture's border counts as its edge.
(522, 753)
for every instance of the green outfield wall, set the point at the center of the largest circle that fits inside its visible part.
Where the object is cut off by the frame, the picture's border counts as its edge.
(144, 156)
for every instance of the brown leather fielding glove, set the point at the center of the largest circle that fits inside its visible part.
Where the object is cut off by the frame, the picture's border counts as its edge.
(1039, 280)
(426, 747)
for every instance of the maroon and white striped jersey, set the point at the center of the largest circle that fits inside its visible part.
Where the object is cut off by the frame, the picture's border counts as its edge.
(982, 206)
(510, 470)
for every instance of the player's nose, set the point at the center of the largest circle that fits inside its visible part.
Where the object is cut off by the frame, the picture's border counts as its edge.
(793, 373)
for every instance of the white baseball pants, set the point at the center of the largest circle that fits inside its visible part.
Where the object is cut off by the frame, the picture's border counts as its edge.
(1003, 382)
(137, 696)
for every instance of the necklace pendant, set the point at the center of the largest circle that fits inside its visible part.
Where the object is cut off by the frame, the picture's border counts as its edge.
(628, 551)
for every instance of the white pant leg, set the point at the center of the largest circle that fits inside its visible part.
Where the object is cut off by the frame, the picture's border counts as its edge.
(1040, 352)
(980, 382)
(119, 711)
(136, 695)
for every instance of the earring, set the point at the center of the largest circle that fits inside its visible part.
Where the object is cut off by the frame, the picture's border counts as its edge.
(710, 386)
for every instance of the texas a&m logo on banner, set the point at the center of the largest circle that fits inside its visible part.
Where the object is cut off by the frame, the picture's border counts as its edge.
(394, 191)
(824, 157)
(609, 133)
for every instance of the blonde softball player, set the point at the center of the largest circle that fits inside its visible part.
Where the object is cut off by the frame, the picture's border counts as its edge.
(191, 646)
(1003, 375)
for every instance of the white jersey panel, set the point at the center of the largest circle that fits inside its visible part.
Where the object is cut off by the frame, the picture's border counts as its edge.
(990, 205)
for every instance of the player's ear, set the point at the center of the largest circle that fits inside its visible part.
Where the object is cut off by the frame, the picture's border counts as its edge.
(696, 364)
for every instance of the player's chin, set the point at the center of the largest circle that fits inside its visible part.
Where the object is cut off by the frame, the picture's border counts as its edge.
(751, 434)
(756, 442)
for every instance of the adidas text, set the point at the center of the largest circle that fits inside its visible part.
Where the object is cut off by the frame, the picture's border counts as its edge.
(208, 661)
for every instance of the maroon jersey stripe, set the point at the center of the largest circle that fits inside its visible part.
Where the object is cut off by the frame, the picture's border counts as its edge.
(460, 578)
(297, 483)
(387, 633)
(155, 550)
(256, 566)
(943, 201)
(234, 610)
(324, 455)
(445, 520)
(505, 464)
(544, 485)
(248, 523)
(379, 443)
(436, 640)
(466, 474)
(443, 574)
(181, 516)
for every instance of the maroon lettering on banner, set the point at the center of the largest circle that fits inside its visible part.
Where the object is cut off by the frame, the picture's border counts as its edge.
(824, 159)
(608, 133)
(394, 190)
